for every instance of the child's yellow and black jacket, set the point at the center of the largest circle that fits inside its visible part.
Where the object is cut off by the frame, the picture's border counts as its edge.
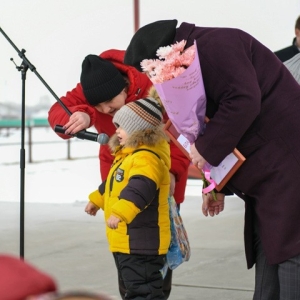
(136, 191)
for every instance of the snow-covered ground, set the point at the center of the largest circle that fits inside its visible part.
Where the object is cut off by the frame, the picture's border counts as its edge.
(51, 178)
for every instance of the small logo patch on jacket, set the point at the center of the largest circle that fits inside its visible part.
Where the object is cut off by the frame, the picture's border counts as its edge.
(119, 175)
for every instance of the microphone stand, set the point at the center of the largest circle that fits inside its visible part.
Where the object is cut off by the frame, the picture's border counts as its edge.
(25, 65)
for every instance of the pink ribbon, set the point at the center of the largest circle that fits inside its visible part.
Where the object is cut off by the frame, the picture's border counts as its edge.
(212, 183)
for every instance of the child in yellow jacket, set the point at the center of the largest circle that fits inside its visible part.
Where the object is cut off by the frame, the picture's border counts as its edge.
(134, 198)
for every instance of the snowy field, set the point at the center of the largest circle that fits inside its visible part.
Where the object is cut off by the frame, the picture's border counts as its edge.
(51, 178)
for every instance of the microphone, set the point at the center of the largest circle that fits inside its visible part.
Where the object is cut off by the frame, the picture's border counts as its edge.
(101, 138)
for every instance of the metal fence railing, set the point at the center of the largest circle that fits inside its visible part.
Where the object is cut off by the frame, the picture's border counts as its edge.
(41, 143)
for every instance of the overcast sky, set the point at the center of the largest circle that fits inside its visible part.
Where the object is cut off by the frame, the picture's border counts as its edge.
(58, 34)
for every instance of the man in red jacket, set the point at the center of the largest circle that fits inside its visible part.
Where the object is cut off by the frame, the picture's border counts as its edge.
(106, 84)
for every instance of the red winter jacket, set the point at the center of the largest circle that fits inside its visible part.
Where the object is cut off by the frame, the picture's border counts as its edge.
(138, 88)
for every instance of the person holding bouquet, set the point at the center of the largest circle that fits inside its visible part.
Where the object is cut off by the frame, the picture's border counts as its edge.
(106, 84)
(252, 102)
(135, 199)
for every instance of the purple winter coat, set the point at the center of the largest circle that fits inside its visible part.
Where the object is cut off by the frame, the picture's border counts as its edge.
(253, 103)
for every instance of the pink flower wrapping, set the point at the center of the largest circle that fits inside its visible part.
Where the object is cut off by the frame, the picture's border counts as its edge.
(177, 77)
(172, 61)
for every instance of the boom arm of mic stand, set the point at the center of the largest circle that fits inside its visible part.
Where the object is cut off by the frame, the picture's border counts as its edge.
(33, 69)
(26, 63)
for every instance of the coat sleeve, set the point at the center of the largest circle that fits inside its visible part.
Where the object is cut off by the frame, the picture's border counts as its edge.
(179, 162)
(134, 198)
(74, 100)
(97, 199)
(125, 210)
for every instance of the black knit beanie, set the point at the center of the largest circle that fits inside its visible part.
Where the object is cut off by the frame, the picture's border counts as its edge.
(147, 40)
(100, 80)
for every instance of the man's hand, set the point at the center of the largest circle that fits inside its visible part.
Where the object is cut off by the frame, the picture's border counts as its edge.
(196, 158)
(112, 222)
(78, 121)
(212, 207)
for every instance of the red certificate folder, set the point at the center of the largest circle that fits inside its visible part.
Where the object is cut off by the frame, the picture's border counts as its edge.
(220, 174)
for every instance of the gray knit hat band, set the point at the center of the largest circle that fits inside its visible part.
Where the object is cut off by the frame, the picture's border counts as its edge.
(139, 115)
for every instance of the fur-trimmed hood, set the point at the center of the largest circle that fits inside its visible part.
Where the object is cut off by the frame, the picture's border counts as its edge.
(155, 140)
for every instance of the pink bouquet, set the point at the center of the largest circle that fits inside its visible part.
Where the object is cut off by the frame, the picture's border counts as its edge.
(173, 61)
(177, 77)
